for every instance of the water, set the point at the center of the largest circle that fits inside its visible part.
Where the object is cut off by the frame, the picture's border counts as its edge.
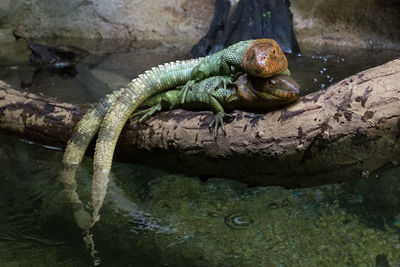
(318, 67)
(101, 72)
(156, 218)
(112, 64)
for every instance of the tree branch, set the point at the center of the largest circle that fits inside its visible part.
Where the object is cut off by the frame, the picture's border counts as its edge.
(345, 132)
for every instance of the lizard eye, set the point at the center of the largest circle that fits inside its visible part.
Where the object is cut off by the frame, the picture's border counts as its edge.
(273, 82)
(273, 51)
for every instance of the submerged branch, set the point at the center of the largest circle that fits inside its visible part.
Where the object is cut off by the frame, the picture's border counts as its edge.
(342, 133)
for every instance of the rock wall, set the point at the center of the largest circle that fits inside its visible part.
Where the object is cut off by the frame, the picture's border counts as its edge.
(357, 23)
(169, 21)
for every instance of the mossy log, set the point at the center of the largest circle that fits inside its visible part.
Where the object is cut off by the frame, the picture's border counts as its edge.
(342, 133)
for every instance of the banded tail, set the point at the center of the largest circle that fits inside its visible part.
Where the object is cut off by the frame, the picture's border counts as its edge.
(151, 82)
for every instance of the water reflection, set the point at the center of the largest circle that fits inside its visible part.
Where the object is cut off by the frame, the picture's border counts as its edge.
(170, 219)
(102, 71)
(154, 218)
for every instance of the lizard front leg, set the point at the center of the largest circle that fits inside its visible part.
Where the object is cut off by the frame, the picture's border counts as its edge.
(214, 65)
(219, 116)
(206, 94)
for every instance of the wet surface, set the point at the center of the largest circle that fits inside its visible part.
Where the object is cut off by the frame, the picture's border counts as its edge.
(155, 218)
(316, 68)
(106, 69)
(101, 72)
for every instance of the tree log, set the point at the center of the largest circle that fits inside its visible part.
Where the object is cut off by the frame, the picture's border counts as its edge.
(342, 133)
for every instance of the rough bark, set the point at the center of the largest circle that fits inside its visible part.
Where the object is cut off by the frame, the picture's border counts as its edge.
(345, 132)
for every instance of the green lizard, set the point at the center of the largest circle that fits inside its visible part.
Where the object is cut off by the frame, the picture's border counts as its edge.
(219, 93)
(246, 93)
(75, 150)
(258, 57)
(261, 58)
(209, 93)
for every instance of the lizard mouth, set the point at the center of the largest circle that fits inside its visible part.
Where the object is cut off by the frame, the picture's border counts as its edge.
(277, 94)
(277, 87)
(267, 93)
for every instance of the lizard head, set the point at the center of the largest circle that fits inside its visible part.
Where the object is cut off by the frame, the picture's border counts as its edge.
(264, 58)
(269, 92)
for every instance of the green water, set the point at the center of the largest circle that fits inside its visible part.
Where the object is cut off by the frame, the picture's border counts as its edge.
(157, 218)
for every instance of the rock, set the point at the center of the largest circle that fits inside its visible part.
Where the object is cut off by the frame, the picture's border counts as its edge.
(6, 34)
(357, 23)
(4, 10)
(170, 21)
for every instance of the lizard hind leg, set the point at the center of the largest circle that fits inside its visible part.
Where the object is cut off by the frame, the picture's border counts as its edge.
(146, 113)
(217, 121)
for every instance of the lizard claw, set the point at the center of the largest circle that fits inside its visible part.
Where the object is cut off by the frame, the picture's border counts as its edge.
(219, 121)
(146, 112)
(226, 80)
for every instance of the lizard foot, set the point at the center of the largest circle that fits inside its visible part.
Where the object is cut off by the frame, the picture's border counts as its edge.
(146, 112)
(185, 89)
(226, 80)
(219, 121)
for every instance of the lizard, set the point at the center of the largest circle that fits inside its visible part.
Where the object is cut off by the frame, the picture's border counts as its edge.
(262, 58)
(268, 93)
(219, 93)
(245, 93)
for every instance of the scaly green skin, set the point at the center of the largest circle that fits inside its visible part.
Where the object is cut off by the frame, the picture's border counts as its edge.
(76, 147)
(152, 82)
(211, 93)
(82, 135)
(261, 58)
(261, 62)
(86, 129)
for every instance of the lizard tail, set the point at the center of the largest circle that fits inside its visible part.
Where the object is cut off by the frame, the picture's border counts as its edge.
(151, 82)
(74, 152)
